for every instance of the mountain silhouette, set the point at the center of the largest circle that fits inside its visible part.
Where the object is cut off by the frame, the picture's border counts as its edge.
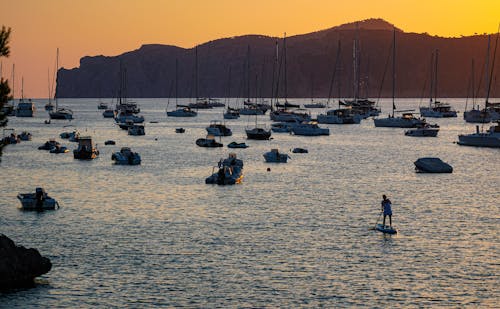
(310, 62)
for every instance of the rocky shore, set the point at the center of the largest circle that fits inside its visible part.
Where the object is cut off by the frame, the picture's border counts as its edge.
(18, 265)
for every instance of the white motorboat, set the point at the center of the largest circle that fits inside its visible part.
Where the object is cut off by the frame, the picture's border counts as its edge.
(136, 129)
(309, 129)
(432, 165)
(229, 171)
(274, 156)
(122, 117)
(490, 138)
(423, 131)
(126, 157)
(37, 201)
(216, 128)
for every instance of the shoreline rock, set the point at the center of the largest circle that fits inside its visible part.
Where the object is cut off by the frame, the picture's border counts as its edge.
(20, 266)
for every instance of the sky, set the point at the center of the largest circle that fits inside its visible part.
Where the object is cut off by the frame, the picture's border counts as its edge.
(110, 27)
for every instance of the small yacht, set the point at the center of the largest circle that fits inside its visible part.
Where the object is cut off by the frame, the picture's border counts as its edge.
(407, 120)
(283, 115)
(232, 113)
(282, 127)
(477, 116)
(438, 110)
(228, 172)
(340, 116)
(37, 201)
(309, 129)
(102, 105)
(109, 113)
(25, 108)
(423, 131)
(216, 128)
(432, 165)
(126, 157)
(125, 116)
(209, 141)
(258, 133)
(136, 129)
(86, 149)
(182, 112)
(490, 138)
(274, 156)
(61, 114)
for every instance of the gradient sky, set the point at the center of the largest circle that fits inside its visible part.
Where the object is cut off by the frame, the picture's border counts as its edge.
(111, 27)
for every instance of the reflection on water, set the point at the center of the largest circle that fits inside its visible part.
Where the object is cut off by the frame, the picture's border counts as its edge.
(299, 235)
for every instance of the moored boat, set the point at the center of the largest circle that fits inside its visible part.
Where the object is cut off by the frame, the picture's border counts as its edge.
(86, 149)
(229, 171)
(274, 156)
(37, 201)
(126, 157)
(432, 165)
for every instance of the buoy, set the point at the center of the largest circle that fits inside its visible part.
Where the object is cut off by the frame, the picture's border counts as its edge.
(268, 169)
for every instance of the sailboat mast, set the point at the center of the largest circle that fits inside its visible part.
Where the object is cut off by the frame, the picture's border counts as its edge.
(196, 72)
(487, 71)
(176, 82)
(248, 73)
(57, 71)
(492, 67)
(431, 85)
(473, 77)
(436, 76)
(13, 81)
(393, 70)
(284, 57)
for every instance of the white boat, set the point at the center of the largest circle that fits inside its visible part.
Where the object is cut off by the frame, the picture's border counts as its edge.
(228, 172)
(274, 156)
(136, 129)
(122, 117)
(37, 201)
(432, 165)
(126, 157)
(423, 131)
(490, 138)
(438, 110)
(298, 115)
(406, 120)
(340, 116)
(477, 116)
(216, 128)
(102, 105)
(309, 129)
(282, 127)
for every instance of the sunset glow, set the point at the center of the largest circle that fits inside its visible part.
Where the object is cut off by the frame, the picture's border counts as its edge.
(111, 27)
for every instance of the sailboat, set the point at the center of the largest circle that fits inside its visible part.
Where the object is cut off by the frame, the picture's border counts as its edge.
(490, 138)
(60, 113)
(340, 115)
(407, 120)
(436, 109)
(283, 114)
(314, 104)
(180, 110)
(230, 113)
(49, 106)
(249, 107)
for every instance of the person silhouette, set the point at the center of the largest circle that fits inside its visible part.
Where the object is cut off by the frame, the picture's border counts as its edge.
(387, 209)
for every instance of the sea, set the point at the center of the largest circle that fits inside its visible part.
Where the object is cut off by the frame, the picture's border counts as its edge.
(299, 234)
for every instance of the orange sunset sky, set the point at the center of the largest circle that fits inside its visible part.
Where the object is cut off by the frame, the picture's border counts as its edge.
(111, 27)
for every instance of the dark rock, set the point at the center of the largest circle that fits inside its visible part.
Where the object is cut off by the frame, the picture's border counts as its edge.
(18, 265)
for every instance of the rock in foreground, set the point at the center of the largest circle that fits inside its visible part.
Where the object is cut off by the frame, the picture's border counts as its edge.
(18, 265)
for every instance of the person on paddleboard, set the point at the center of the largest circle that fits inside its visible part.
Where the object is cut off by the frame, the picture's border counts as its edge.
(386, 208)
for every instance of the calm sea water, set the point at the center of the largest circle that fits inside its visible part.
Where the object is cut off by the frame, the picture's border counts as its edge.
(300, 235)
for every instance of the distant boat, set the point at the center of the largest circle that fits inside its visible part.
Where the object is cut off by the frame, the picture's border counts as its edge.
(209, 141)
(436, 109)
(39, 200)
(432, 165)
(126, 157)
(309, 129)
(490, 138)
(229, 171)
(407, 120)
(180, 110)
(423, 131)
(24, 108)
(60, 113)
(274, 156)
(86, 149)
(216, 128)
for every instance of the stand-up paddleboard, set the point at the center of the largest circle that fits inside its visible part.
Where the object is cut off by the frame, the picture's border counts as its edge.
(385, 229)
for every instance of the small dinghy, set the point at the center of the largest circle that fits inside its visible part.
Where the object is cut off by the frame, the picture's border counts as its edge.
(180, 130)
(208, 142)
(37, 201)
(237, 145)
(59, 149)
(300, 150)
(385, 229)
(432, 165)
(126, 157)
(109, 142)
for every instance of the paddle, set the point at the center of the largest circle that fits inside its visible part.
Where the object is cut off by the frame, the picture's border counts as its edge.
(378, 219)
